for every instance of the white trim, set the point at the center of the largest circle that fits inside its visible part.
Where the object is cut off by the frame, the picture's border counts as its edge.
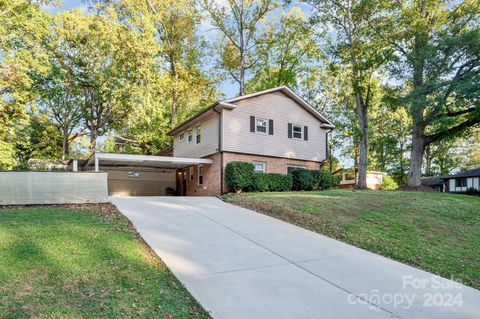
(188, 135)
(198, 128)
(200, 166)
(266, 125)
(180, 138)
(264, 164)
(151, 158)
(301, 132)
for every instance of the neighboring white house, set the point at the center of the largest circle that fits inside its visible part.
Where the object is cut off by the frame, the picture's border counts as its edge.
(349, 178)
(462, 181)
(457, 183)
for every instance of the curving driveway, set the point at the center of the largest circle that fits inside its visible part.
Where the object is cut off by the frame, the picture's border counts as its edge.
(241, 264)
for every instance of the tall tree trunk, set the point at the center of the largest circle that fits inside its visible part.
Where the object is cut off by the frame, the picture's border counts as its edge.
(417, 112)
(363, 147)
(416, 157)
(175, 93)
(428, 161)
(65, 143)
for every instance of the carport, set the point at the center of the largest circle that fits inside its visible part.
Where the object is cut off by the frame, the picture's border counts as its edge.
(142, 175)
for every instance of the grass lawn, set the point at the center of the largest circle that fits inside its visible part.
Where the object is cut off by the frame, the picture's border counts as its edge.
(77, 262)
(436, 232)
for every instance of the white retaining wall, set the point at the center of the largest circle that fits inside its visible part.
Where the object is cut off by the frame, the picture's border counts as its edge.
(23, 188)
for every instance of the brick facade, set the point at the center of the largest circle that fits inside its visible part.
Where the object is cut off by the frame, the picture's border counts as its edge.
(212, 176)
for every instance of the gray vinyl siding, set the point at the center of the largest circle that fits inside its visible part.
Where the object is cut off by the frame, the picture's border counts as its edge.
(207, 146)
(282, 110)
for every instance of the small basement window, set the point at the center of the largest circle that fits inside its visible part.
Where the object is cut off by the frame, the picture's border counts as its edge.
(261, 125)
(200, 175)
(297, 131)
(260, 167)
(198, 137)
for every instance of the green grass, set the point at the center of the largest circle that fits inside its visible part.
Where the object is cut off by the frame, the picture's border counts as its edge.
(83, 263)
(436, 232)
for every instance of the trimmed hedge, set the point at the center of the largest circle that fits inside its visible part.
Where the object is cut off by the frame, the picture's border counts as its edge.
(307, 180)
(272, 182)
(239, 175)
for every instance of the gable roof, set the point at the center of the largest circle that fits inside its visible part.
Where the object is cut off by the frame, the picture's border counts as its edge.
(228, 104)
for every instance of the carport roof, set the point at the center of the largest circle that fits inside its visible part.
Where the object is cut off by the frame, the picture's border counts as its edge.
(108, 159)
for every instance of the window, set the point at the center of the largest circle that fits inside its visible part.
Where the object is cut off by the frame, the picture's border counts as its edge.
(297, 131)
(461, 182)
(200, 175)
(260, 167)
(181, 136)
(291, 168)
(261, 125)
(190, 136)
(198, 137)
(190, 172)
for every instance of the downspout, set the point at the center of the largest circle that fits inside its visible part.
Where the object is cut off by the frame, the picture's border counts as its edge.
(220, 147)
(326, 148)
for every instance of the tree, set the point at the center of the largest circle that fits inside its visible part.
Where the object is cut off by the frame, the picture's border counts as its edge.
(289, 54)
(23, 28)
(175, 81)
(104, 69)
(240, 22)
(60, 93)
(438, 49)
(360, 53)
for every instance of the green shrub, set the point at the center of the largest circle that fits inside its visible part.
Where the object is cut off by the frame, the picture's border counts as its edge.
(388, 184)
(472, 191)
(325, 180)
(272, 182)
(303, 180)
(240, 175)
(279, 182)
(261, 183)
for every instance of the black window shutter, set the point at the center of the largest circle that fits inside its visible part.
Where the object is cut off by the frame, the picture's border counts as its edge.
(305, 133)
(270, 127)
(252, 123)
(289, 130)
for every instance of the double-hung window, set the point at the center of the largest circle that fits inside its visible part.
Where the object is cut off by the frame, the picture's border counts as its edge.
(260, 167)
(261, 125)
(181, 136)
(190, 136)
(198, 136)
(200, 174)
(297, 131)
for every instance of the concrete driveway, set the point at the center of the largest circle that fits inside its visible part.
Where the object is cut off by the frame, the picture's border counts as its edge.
(241, 264)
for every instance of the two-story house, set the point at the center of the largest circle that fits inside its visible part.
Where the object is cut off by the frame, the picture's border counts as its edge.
(274, 129)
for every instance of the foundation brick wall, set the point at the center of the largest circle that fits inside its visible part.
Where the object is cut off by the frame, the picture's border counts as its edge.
(212, 176)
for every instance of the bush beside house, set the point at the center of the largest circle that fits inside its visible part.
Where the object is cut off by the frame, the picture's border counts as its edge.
(241, 176)
(388, 184)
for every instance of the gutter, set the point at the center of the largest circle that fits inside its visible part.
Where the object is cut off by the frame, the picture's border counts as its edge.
(220, 146)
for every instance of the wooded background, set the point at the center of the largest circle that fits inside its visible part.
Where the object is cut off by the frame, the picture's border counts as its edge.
(400, 79)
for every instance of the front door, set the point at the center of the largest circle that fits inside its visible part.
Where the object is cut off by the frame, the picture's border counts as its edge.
(182, 182)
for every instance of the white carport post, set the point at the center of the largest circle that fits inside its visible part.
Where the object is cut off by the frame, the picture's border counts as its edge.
(96, 163)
